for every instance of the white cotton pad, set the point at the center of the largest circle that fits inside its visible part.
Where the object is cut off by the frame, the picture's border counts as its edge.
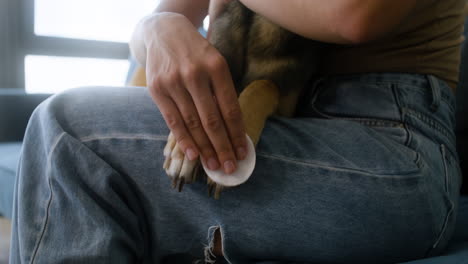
(242, 174)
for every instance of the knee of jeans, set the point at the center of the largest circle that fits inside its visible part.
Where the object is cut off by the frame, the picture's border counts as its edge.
(55, 113)
(85, 111)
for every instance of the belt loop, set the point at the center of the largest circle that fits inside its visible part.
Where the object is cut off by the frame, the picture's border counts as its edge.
(436, 96)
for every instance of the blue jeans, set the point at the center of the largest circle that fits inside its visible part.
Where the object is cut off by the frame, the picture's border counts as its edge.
(367, 173)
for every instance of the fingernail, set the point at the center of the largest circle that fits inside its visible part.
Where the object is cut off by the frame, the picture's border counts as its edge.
(229, 167)
(213, 164)
(191, 154)
(241, 153)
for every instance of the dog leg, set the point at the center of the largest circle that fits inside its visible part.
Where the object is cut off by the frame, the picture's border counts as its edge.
(287, 103)
(258, 101)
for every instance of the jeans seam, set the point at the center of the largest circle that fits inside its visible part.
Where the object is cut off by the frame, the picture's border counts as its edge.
(49, 202)
(123, 136)
(367, 120)
(429, 122)
(444, 227)
(403, 174)
(444, 155)
(440, 233)
(408, 135)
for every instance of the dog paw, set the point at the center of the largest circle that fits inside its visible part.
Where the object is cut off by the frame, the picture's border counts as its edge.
(183, 171)
(178, 167)
(214, 189)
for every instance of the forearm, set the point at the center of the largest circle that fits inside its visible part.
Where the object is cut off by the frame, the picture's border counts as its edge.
(194, 10)
(335, 21)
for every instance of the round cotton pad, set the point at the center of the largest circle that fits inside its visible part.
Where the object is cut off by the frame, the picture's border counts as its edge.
(242, 174)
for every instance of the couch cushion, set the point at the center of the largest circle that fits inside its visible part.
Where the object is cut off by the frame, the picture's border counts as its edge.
(16, 107)
(9, 157)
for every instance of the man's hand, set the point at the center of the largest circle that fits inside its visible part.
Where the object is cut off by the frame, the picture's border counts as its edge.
(191, 84)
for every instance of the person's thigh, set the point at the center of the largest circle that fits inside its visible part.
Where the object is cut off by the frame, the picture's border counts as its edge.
(368, 174)
(324, 189)
(328, 191)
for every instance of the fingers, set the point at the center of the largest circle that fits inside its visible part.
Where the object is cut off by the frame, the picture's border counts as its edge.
(193, 124)
(212, 122)
(175, 122)
(195, 120)
(226, 96)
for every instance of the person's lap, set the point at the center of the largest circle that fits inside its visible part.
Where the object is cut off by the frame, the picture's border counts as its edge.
(348, 187)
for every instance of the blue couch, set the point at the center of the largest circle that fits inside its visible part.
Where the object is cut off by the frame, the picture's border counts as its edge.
(16, 107)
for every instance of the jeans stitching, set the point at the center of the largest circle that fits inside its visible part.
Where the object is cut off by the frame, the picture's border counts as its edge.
(368, 120)
(49, 202)
(123, 136)
(416, 87)
(430, 122)
(396, 97)
(409, 119)
(444, 154)
(444, 227)
(431, 207)
(440, 234)
(403, 174)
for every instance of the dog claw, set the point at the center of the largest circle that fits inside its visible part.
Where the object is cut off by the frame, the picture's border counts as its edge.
(210, 189)
(214, 189)
(181, 184)
(170, 145)
(184, 171)
(178, 167)
(174, 183)
(218, 190)
(167, 163)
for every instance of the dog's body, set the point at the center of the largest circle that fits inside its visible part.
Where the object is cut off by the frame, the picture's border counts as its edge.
(256, 49)
(269, 65)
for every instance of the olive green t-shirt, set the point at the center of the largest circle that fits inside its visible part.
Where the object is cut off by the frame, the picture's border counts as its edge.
(427, 42)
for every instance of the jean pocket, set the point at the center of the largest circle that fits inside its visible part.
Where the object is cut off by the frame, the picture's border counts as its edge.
(394, 131)
(372, 105)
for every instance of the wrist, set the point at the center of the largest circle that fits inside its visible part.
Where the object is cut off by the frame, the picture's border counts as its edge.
(146, 31)
(156, 23)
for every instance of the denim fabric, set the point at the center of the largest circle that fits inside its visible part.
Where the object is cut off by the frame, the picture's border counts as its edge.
(457, 250)
(367, 173)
